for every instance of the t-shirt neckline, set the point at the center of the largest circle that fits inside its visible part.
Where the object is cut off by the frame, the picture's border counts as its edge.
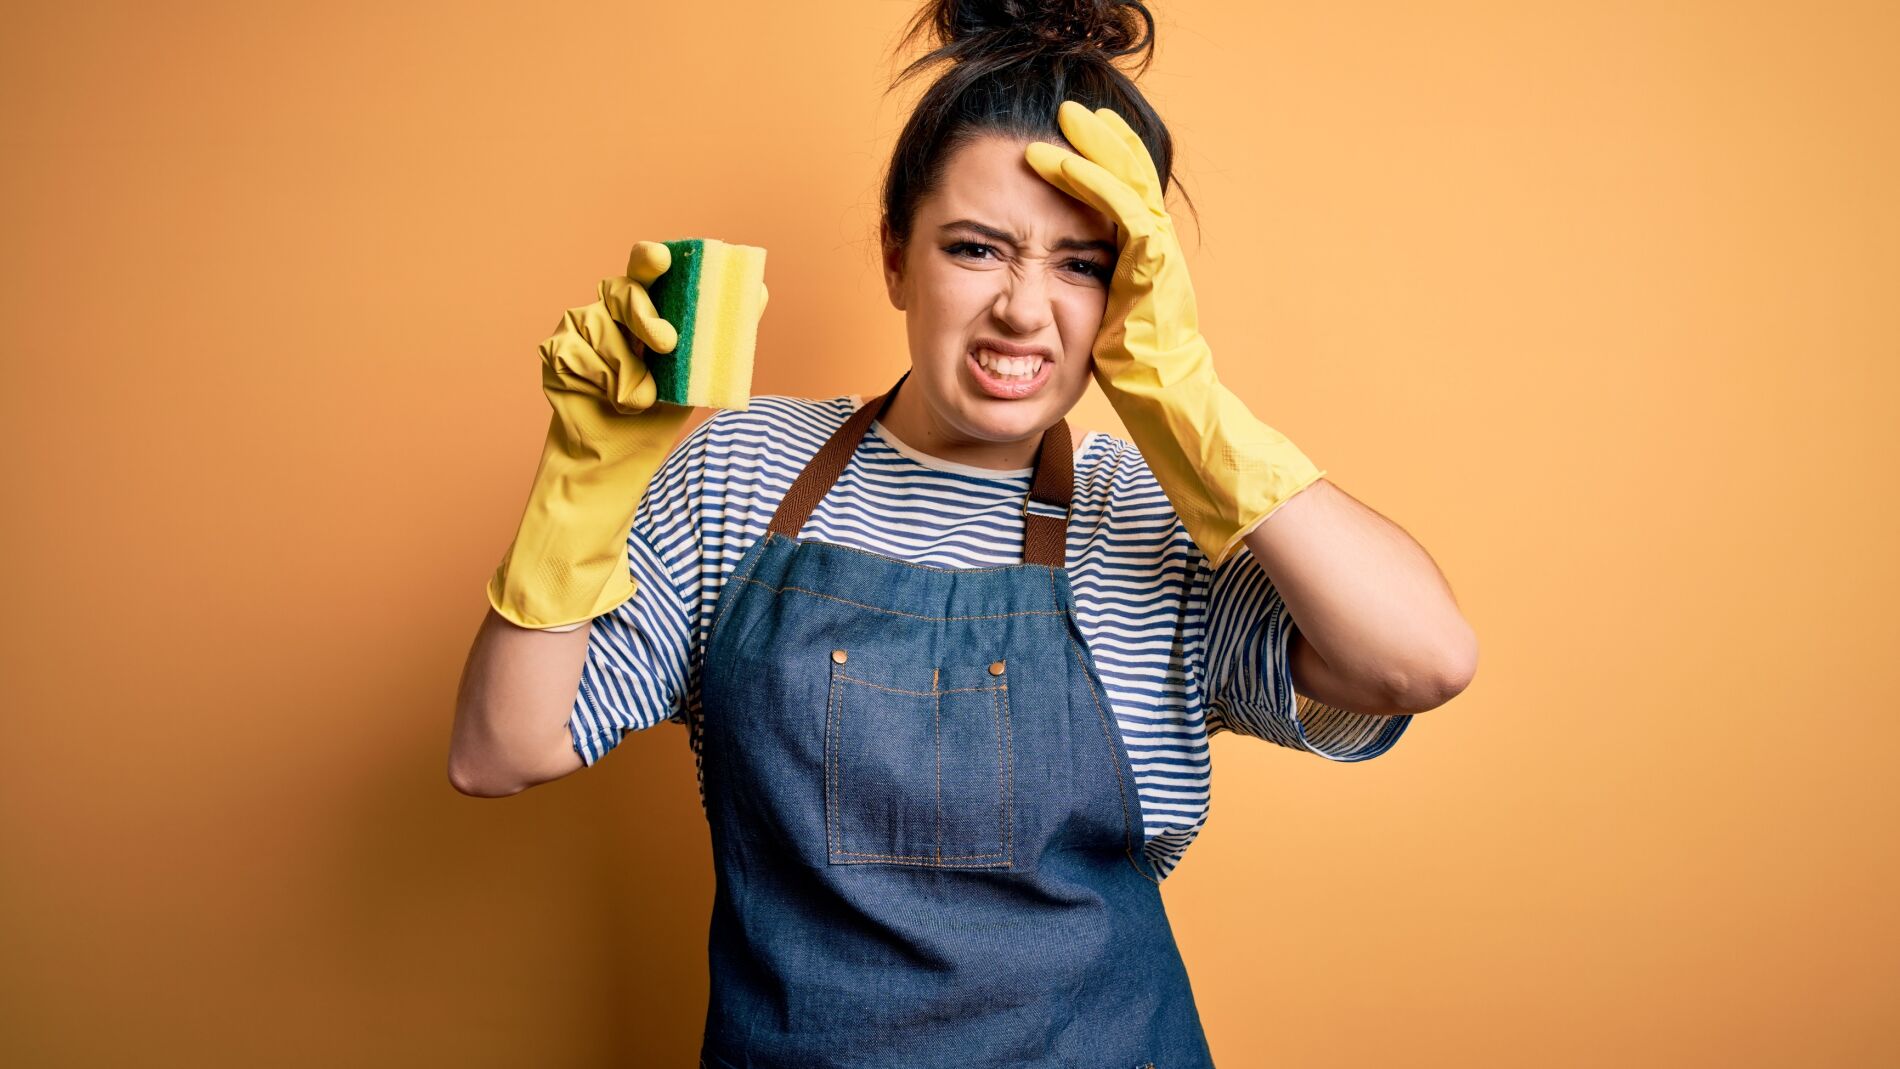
(940, 464)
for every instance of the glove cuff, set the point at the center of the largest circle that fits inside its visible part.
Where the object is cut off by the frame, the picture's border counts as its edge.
(1297, 474)
(527, 608)
(568, 561)
(1224, 470)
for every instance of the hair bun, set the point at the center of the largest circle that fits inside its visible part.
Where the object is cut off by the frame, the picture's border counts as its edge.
(1052, 27)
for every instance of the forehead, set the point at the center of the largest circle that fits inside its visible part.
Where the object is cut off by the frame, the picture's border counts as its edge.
(989, 180)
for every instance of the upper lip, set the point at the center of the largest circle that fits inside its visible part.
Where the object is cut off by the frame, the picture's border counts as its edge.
(1003, 348)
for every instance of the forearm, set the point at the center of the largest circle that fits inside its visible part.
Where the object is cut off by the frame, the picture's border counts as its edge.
(1366, 596)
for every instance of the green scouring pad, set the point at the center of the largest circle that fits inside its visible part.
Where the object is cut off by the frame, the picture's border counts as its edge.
(713, 293)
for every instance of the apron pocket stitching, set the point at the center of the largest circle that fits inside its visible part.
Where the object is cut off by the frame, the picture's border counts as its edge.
(845, 795)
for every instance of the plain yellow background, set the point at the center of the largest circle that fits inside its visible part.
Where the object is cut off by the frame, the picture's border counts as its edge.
(1597, 300)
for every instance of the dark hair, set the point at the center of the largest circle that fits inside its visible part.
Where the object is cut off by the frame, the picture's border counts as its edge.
(1013, 62)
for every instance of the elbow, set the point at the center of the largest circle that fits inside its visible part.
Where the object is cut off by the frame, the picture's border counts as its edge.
(481, 779)
(473, 784)
(483, 766)
(1436, 679)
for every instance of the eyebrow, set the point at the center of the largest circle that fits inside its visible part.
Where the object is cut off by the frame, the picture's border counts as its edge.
(1008, 238)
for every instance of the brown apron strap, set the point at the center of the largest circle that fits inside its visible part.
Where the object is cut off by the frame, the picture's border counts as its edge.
(1045, 533)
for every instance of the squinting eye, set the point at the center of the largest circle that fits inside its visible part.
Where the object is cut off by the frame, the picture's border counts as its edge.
(1088, 267)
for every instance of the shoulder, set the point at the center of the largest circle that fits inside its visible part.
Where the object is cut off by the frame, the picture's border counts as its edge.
(1113, 460)
(739, 459)
(1117, 493)
(775, 417)
(1112, 471)
(770, 424)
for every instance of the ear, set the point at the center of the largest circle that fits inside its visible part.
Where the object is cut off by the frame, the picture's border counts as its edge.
(893, 258)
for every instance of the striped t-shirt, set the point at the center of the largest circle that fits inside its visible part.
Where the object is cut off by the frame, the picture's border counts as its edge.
(1183, 650)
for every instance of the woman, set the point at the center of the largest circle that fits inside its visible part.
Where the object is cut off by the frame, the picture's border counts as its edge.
(950, 673)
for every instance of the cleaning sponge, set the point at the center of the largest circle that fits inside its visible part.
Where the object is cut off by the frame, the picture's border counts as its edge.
(713, 293)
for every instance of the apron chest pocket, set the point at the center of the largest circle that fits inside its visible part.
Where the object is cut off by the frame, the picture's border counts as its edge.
(918, 767)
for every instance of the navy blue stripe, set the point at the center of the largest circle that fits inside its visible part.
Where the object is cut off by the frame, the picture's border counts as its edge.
(1183, 652)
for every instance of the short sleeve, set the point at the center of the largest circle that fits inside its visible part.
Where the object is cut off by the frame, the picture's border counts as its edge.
(1247, 675)
(636, 673)
(634, 676)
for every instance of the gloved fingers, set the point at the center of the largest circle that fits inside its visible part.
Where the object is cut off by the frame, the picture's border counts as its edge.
(637, 392)
(648, 261)
(1092, 184)
(591, 354)
(568, 359)
(1142, 165)
(630, 386)
(631, 306)
(1102, 143)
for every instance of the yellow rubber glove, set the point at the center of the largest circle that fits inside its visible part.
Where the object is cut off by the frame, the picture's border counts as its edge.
(608, 435)
(1222, 469)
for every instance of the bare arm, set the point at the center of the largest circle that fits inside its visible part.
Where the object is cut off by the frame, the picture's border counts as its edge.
(511, 708)
(1377, 629)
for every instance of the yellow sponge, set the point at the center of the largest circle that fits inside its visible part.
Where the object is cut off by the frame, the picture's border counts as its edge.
(713, 293)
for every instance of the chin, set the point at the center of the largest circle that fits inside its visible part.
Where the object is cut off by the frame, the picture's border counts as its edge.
(1007, 421)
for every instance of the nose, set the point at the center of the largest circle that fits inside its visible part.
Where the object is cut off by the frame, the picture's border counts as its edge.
(1023, 304)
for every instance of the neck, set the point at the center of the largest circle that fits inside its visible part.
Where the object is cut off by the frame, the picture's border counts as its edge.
(911, 420)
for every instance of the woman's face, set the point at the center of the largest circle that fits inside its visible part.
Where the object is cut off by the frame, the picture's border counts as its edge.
(997, 256)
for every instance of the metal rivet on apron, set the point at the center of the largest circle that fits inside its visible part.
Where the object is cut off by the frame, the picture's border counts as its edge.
(838, 656)
(996, 669)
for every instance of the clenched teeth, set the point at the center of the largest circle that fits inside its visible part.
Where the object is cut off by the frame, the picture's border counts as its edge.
(1009, 367)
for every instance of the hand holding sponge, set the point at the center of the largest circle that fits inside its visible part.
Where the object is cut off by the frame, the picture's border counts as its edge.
(623, 375)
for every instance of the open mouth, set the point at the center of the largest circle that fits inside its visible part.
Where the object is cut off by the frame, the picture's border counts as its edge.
(1009, 368)
(1009, 378)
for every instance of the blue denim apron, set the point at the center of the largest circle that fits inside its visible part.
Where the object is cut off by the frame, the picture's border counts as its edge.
(925, 830)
